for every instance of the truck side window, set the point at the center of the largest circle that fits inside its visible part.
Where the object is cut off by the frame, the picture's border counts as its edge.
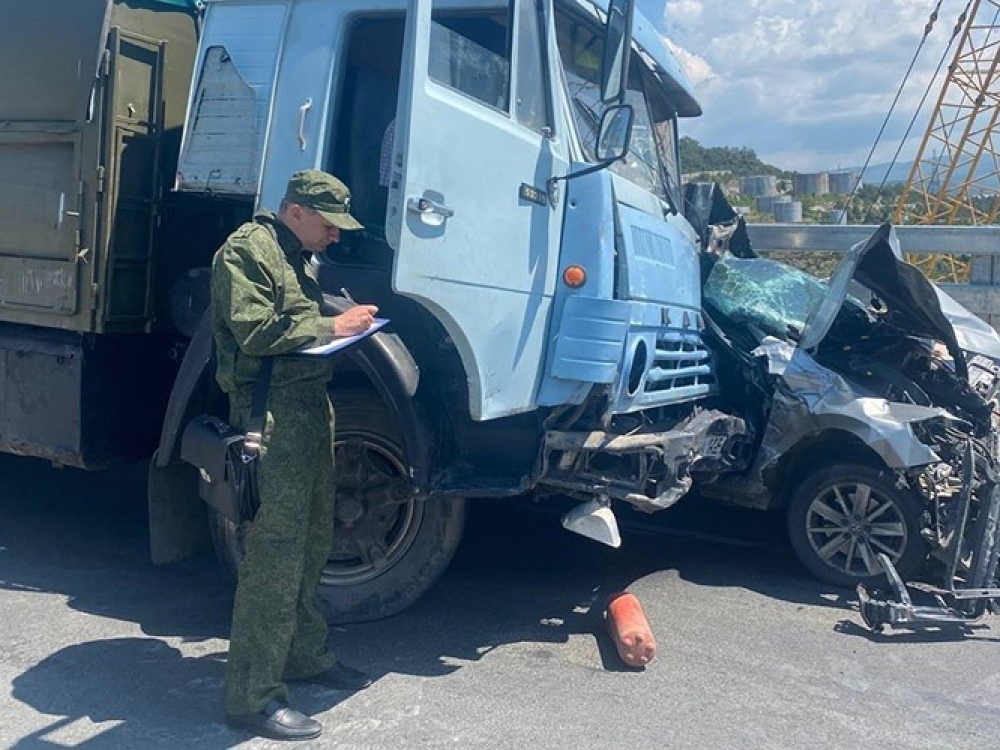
(531, 107)
(642, 164)
(471, 52)
(665, 128)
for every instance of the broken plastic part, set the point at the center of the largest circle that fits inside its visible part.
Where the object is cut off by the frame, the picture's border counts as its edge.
(595, 520)
(878, 612)
(629, 629)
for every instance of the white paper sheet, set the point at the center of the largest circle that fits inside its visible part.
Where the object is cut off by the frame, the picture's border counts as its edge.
(343, 342)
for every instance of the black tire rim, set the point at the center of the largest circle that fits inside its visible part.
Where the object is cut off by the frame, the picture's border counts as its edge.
(849, 523)
(377, 519)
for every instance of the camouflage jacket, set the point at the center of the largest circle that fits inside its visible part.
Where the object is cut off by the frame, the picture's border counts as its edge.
(253, 317)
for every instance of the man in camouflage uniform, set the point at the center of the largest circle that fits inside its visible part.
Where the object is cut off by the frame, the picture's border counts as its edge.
(266, 302)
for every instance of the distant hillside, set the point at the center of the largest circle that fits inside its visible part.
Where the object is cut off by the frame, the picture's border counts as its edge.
(743, 162)
(740, 162)
(876, 173)
(900, 172)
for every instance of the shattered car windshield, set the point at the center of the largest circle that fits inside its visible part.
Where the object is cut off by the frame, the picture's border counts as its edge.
(766, 297)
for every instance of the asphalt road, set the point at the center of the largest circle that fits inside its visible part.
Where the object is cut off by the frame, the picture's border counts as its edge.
(98, 649)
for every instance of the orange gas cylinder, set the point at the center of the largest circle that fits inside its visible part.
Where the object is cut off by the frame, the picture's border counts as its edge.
(630, 629)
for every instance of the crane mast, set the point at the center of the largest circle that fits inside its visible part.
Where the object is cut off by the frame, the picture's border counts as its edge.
(956, 172)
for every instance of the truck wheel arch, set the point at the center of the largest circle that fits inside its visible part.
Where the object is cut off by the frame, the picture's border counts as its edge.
(187, 393)
(383, 359)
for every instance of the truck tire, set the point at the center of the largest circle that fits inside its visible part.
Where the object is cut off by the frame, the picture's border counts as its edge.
(385, 554)
(840, 517)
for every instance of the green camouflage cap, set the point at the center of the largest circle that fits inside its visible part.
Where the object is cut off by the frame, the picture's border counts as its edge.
(324, 193)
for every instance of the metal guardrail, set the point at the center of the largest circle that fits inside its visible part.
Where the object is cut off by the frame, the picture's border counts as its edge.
(946, 240)
(981, 295)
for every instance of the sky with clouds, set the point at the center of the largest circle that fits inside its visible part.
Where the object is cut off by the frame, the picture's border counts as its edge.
(806, 83)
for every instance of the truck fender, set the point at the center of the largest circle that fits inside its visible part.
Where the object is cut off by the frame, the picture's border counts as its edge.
(382, 358)
(386, 362)
(194, 368)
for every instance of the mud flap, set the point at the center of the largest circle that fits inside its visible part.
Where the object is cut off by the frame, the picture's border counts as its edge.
(178, 520)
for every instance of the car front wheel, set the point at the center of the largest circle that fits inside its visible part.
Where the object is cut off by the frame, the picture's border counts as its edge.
(841, 517)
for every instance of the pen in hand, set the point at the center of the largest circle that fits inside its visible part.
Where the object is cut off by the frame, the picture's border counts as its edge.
(354, 320)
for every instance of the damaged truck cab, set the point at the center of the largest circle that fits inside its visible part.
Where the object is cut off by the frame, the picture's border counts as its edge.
(515, 165)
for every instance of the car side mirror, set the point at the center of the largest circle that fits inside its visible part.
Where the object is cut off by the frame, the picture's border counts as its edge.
(615, 133)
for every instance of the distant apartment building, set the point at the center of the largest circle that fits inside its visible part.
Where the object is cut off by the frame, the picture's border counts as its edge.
(842, 183)
(810, 183)
(759, 185)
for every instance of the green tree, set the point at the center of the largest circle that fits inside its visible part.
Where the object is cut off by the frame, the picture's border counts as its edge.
(739, 162)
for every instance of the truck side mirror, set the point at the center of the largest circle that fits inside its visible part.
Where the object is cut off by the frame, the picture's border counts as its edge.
(615, 133)
(613, 139)
(617, 48)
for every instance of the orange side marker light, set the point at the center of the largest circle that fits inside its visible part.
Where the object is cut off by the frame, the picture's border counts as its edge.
(575, 276)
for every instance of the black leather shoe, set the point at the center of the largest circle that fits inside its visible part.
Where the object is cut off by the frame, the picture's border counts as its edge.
(277, 722)
(340, 677)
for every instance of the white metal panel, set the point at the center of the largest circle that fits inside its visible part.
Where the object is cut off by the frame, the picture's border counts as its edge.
(309, 73)
(225, 133)
(307, 70)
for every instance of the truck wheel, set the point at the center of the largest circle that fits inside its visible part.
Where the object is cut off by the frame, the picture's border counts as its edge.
(842, 516)
(388, 547)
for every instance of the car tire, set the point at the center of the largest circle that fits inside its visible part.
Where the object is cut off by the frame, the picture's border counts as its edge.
(385, 555)
(841, 516)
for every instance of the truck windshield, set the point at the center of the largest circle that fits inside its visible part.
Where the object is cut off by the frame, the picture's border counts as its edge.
(581, 47)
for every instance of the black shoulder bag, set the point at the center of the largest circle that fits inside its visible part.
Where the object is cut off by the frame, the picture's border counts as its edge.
(227, 458)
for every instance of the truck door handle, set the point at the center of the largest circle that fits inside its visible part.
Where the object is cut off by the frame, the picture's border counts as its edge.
(425, 207)
(306, 106)
(62, 212)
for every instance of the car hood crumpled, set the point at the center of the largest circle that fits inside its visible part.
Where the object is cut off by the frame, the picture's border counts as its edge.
(818, 398)
(915, 303)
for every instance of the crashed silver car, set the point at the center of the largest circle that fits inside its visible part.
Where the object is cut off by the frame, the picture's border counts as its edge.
(873, 404)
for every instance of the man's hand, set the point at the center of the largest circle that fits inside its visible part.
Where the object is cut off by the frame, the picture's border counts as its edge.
(354, 320)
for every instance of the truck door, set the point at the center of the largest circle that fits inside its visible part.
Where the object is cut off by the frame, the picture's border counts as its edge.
(132, 153)
(475, 233)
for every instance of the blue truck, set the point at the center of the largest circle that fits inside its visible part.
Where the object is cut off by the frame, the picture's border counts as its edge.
(515, 165)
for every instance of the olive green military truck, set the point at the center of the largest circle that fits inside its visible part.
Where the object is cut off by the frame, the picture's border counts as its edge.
(93, 313)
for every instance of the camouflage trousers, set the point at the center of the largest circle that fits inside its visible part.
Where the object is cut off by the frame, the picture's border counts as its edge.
(278, 632)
